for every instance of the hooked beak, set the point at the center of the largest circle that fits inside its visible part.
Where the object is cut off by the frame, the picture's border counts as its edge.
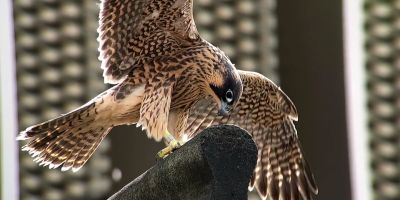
(224, 109)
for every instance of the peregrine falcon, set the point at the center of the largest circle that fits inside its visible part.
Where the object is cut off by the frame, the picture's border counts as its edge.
(174, 84)
(161, 67)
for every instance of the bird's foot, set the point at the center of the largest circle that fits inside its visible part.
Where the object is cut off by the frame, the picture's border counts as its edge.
(172, 146)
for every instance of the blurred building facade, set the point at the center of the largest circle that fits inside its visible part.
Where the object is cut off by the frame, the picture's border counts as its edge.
(382, 48)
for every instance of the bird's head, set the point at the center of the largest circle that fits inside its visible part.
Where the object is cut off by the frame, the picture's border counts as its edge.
(225, 86)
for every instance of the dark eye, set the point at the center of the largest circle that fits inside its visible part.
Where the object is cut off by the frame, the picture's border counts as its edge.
(229, 96)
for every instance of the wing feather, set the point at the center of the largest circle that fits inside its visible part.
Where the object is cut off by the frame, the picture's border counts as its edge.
(132, 30)
(267, 114)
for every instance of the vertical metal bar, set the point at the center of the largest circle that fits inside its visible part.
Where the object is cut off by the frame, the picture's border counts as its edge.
(8, 120)
(356, 101)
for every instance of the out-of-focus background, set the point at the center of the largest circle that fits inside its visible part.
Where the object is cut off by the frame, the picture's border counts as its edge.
(339, 61)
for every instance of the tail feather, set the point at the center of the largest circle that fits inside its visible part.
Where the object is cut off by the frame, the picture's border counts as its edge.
(85, 152)
(70, 118)
(70, 159)
(68, 140)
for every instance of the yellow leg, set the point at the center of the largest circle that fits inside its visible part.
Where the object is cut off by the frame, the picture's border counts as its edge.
(172, 145)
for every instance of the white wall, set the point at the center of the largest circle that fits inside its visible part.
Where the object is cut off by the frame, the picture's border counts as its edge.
(8, 106)
(356, 99)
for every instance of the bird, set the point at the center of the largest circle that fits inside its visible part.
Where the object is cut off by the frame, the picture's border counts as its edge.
(160, 67)
(267, 113)
(174, 84)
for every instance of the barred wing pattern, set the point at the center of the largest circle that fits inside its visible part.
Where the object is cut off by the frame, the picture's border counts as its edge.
(267, 114)
(133, 30)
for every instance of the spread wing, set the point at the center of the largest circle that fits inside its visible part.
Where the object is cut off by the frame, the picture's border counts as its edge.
(267, 114)
(130, 30)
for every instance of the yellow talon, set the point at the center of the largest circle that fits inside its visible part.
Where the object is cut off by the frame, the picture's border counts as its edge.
(172, 145)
